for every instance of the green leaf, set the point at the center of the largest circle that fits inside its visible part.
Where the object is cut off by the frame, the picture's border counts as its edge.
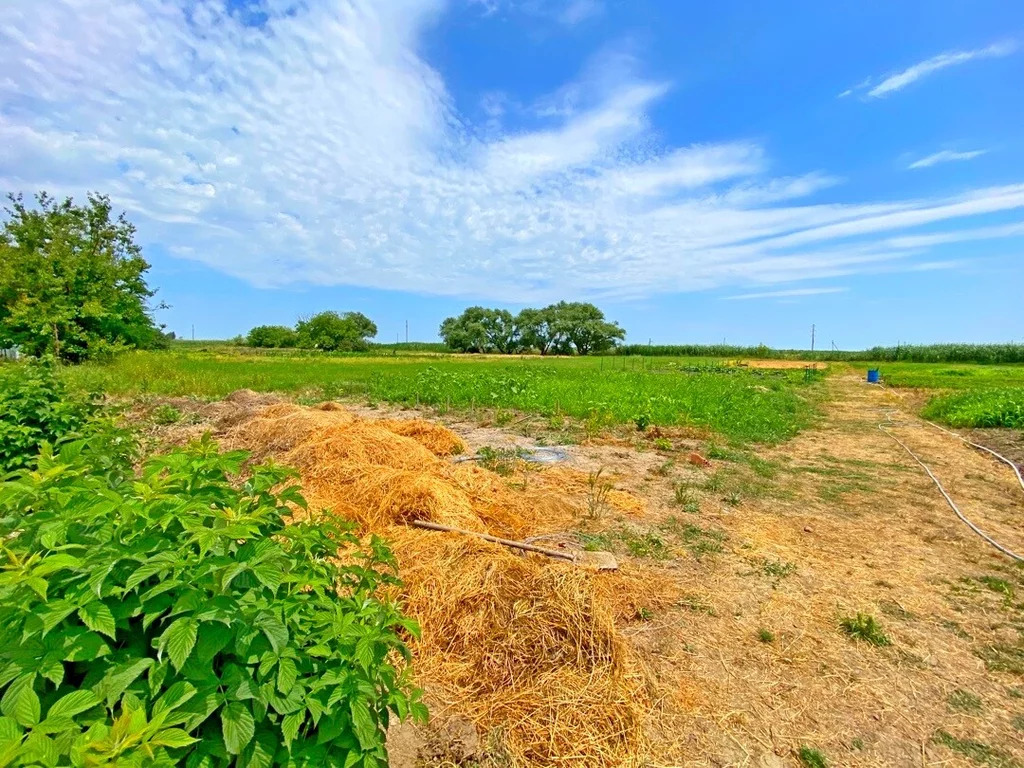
(260, 752)
(362, 724)
(179, 640)
(73, 704)
(119, 677)
(97, 617)
(26, 707)
(364, 652)
(9, 729)
(287, 674)
(237, 726)
(275, 632)
(290, 727)
(174, 697)
(172, 738)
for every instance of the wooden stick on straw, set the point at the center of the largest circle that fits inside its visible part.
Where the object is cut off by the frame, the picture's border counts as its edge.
(497, 540)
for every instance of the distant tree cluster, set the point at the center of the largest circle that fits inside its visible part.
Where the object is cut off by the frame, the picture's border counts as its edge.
(564, 328)
(327, 331)
(72, 280)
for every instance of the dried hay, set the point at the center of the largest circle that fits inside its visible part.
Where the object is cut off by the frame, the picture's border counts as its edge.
(522, 644)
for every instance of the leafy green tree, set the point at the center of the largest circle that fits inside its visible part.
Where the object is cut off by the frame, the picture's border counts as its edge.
(536, 331)
(467, 332)
(331, 332)
(72, 280)
(479, 329)
(175, 614)
(274, 336)
(584, 327)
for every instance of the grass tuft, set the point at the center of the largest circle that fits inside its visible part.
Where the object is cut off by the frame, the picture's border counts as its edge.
(864, 627)
(812, 758)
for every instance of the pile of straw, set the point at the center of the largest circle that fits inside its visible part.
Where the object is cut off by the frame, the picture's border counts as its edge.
(525, 645)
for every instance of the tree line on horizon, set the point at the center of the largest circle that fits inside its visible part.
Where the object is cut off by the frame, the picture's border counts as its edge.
(328, 331)
(564, 328)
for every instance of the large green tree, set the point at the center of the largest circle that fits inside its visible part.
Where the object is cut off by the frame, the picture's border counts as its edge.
(331, 332)
(562, 328)
(479, 329)
(584, 327)
(272, 336)
(72, 280)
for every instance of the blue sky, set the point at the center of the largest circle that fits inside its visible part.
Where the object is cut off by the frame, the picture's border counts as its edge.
(702, 171)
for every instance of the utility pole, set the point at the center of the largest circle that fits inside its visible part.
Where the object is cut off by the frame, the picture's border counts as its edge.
(812, 337)
(193, 331)
(406, 331)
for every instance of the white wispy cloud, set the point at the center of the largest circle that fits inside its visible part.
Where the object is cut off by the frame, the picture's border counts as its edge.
(320, 148)
(580, 10)
(900, 80)
(946, 156)
(790, 292)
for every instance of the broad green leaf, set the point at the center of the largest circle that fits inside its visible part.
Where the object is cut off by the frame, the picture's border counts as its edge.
(237, 727)
(97, 617)
(260, 752)
(9, 729)
(362, 723)
(119, 677)
(287, 674)
(290, 727)
(172, 738)
(26, 707)
(174, 697)
(364, 652)
(276, 632)
(179, 639)
(39, 749)
(73, 703)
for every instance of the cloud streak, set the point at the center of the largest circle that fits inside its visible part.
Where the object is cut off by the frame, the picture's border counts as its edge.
(319, 148)
(946, 156)
(900, 80)
(788, 293)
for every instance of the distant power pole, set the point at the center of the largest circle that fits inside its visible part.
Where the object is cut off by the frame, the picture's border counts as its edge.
(812, 338)
(193, 331)
(406, 331)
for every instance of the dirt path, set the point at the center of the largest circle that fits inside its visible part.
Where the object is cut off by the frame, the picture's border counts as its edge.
(850, 524)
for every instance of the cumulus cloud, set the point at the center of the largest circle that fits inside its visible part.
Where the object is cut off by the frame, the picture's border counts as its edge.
(946, 156)
(313, 144)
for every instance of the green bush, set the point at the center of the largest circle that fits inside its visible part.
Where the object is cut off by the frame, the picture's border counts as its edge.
(35, 407)
(172, 616)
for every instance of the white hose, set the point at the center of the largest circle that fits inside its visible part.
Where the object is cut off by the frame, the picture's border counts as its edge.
(949, 500)
(1006, 461)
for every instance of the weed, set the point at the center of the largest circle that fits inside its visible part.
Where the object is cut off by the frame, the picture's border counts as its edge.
(1015, 693)
(684, 496)
(503, 461)
(644, 614)
(765, 635)
(715, 482)
(777, 569)
(979, 752)
(663, 444)
(998, 585)
(812, 758)
(696, 605)
(857, 744)
(1017, 722)
(166, 414)
(732, 499)
(864, 627)
(597, 494)
(699, 541)
(1003, 657)
(963, 701)
(664, 469)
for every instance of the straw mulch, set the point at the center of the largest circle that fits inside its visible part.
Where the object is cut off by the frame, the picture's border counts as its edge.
(526, 646)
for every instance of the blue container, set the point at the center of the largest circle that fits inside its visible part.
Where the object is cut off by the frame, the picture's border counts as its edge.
(873, 376)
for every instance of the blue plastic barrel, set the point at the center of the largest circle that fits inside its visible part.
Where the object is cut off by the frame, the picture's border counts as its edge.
(872, 375)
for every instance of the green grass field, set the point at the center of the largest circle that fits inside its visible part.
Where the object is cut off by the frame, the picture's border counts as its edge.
(743, 405)
(968, 395)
